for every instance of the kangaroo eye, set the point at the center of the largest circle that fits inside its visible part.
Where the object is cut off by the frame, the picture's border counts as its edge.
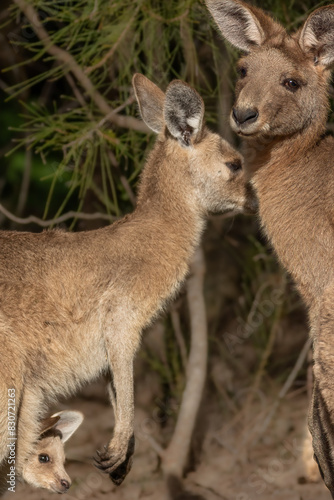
(242, 72)
(292, 85)
(43, 459)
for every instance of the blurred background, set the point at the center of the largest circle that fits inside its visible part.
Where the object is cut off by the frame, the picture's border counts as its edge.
(72, 147)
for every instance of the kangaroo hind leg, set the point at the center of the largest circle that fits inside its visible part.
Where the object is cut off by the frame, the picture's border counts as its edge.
(117, 458)
(321, 416)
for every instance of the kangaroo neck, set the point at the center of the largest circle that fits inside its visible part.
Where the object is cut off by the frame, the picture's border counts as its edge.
(166, 189)
(167, 201)
(264, 153)
(284, 174)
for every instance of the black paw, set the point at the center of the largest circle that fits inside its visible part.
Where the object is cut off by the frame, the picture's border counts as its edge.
(113, 463)
(122, 471)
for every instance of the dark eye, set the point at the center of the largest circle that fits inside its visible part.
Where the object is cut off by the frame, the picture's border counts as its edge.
(235, 166)
(43, 459)
(292, 85)
(242, 72)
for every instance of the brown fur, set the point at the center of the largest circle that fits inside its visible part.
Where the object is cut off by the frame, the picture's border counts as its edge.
(45, 465)
(74, 304)
(290, 163)
(54, 432)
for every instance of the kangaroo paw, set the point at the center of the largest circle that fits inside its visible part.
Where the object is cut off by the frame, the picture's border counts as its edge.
(116, 462)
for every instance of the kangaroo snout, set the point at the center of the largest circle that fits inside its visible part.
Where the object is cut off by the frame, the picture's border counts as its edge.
(65, 484)
(244, 117)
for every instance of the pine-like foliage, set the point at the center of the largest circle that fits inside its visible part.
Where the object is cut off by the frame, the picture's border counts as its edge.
(79, 57)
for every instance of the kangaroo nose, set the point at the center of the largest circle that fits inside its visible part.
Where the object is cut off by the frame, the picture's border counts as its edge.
(242, 116)
(65, 484)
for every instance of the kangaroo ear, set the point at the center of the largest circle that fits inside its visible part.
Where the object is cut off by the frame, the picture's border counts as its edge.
(244, 26)
(184, 112)
(317, 36)
(151, 102)
(48, 423)
(68, 422)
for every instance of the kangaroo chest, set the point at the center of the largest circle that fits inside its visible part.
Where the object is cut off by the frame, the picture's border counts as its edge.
(292, 216)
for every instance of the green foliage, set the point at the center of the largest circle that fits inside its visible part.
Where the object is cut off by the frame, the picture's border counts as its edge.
(109, 41)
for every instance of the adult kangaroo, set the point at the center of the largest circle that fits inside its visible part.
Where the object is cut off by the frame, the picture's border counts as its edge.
(73, 305)
(281, 110)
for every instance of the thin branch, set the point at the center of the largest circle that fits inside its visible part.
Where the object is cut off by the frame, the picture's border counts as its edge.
(156, 16)
(212, 490)
(260, 424)
(79, 97)
(176, 455)
(113, 49)
(47, 223)
(225, 102)
(123, 179)
(190, 52)
(94, 11)
(252, 429)
(264, 359)
(175, 316)
(286, 387)
(155, 445)
(90, 133)
(255, 304)
(25, 182)
(228, 400)
(130, 100)
(4, 87)
(70, 63)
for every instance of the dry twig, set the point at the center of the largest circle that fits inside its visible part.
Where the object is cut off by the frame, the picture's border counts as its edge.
(283, 392)
(175, 316)
(51, 222)
(176, 455)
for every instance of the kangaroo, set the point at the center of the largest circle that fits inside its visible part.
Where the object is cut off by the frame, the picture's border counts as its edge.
(281, 108)
(45, 466)
(73, 305)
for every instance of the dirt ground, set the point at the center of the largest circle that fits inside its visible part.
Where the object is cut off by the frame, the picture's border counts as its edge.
(272, 468)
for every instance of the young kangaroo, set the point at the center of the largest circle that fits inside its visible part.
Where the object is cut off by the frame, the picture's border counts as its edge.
(74, 304)
(45, 466)
(281, 109)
